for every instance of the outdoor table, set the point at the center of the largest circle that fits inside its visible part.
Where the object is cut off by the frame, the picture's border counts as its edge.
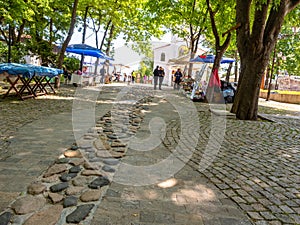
(28, 80)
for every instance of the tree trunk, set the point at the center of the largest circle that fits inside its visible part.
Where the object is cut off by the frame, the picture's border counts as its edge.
(110, 38)
(66, 42)
(228, 72)
(267, 78)
(236, 67)
(83, 35)
(190, 71)
(9, 44)
(101, 46)
(213, 92)
(255, 41)
(246, 99)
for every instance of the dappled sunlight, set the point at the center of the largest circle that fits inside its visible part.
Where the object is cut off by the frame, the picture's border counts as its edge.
(168, 183)
(197, 194)
(55, 97)
(151, 194)
(15, 102)
(24, 153)
(286, 156)
(152, 103)
(62, 156)
(256, 180)
(162, 101)
(137, 194)
(145, 111)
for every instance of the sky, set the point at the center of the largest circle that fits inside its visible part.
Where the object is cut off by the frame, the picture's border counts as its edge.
(118, 43)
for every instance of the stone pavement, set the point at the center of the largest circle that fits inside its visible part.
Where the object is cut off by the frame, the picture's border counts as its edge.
(176, 164)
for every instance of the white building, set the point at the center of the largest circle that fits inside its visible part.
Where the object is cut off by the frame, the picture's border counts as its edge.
(171, 56)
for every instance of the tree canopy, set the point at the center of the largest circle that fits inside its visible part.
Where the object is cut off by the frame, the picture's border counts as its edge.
(254, 28)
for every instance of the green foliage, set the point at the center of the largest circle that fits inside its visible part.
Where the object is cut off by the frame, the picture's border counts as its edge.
(43, 49)
(71, 64)
(287, 59)
(18, 52)
(289, 52)
(146, 67)
(42, 22)
(3, 52)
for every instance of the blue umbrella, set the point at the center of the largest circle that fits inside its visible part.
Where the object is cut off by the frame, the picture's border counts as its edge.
(83, 46)
(83, 49)
(211, 59)
(227, 60)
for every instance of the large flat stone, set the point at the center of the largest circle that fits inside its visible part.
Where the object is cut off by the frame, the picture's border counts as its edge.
(90, 195)
(36, 188)
(99, 182)
(55, 169)
(59, 187)
(80, 213)
(49, 216)
(28, 204)
(5, 218)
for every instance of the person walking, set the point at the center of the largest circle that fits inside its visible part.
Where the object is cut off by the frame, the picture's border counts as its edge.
(161, 75)
(155, 76)
(129, 79)
(102, 75)
(133, 75)
(178, 77)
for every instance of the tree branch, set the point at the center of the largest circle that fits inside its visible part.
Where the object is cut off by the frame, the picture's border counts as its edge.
(243, 17)
(213, 24)
(259, 23)
(292, 4)
(231, 29)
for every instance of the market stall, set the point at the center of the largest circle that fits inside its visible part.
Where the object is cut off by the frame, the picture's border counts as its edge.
(212, 82)
(86, 50)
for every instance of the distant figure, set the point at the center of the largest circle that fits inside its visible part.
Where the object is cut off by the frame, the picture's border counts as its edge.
(161, 75)
(84, 69)
(125, 77)
(155, 76)
(67, 75)
(102, 74)
(133, 76)
(129, 79)
(78, 72)
(173, 78)
(178, 77)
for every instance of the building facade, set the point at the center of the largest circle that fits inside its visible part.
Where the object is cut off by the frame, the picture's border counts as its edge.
(171, 56)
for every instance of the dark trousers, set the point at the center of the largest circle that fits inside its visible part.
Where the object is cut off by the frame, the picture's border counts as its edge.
(155, 81)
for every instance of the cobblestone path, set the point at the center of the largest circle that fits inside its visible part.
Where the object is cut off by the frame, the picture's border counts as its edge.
(257, 165)
(156, 186)
(232, 172)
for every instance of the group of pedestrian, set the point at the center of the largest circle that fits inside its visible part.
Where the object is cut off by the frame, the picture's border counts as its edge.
(158, 75)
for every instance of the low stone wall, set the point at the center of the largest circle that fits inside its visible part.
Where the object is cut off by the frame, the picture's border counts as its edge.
(287, 98)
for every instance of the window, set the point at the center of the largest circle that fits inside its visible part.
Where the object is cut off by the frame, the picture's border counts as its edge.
(163, 57)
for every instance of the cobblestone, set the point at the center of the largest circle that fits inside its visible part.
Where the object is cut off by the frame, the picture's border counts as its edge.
(255, 170)
(259, 163)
